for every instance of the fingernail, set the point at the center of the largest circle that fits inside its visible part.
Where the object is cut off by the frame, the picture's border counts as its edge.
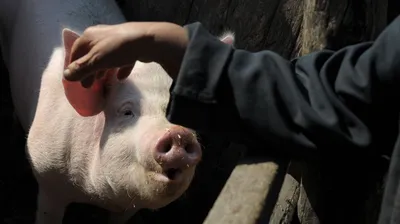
(67, 72)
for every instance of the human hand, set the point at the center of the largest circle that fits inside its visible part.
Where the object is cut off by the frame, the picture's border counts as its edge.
(105, 47)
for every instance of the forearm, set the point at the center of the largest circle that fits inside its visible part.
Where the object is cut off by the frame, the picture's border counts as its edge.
(169, 45)
(323, 99)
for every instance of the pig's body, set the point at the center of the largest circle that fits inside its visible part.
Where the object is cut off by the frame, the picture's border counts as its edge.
(36, 39)
(117, 159)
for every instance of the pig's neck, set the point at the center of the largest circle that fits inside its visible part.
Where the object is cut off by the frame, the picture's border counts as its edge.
(82, 164)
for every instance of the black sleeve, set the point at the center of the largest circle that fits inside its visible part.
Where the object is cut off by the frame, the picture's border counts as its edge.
(322, 99)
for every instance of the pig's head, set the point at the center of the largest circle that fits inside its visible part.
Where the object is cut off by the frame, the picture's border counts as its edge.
(143, 161)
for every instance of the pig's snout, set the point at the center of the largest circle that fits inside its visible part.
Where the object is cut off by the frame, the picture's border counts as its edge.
(177, 150)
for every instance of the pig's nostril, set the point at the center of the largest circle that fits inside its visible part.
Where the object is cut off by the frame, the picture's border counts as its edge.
(167, 147)
(164, 145)
(189, 148)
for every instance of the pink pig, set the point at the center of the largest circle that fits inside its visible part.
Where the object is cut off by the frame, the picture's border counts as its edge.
(126, 157)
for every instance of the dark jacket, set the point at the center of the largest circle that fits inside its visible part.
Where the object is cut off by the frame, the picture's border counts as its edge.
(338, 101)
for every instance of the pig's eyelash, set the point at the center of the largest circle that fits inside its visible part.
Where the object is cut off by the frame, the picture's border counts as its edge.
(128, 113)
(126, 110)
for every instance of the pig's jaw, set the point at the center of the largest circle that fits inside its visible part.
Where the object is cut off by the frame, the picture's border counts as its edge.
(152, 192)
(118, 185)
(110, 195)
(146, 189)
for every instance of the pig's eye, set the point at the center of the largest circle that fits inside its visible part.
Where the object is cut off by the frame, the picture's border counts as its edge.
(128, 113)
(126, 110)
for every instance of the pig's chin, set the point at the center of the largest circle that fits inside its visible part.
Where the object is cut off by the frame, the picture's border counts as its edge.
(155, 191)
(164, 189)
(164, 185)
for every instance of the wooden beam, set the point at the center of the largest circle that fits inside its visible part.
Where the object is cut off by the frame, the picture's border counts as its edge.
(250, 193)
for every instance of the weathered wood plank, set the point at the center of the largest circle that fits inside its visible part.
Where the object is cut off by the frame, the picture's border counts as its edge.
(250, 193)
(285, 207)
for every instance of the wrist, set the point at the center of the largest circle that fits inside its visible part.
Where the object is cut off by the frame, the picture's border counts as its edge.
(170, 42)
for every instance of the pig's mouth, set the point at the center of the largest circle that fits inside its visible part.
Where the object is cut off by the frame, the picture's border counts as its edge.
(172, 173)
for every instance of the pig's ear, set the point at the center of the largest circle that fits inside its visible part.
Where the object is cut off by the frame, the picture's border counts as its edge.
(86, 101)
(228, 38)
(69, 37)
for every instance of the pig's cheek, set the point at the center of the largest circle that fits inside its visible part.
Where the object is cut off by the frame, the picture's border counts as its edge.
(119, 154)
(119, 124)
(143, 151)
(128, 137)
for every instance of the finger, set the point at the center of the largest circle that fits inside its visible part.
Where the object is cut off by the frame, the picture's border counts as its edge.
(124, 72)
(81, 68)
(80, 56)
(80, 48)
(88, 81)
